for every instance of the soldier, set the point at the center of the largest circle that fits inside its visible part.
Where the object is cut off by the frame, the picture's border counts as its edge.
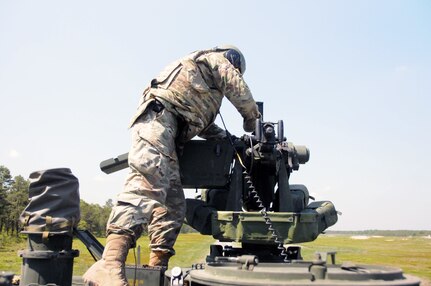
(180, 103)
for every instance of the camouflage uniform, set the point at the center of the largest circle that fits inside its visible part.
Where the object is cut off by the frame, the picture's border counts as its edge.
(180, 103)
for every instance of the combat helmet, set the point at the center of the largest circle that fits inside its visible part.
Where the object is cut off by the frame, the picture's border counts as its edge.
(234, 55)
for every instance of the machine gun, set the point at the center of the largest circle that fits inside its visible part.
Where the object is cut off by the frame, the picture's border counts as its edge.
(246, 196)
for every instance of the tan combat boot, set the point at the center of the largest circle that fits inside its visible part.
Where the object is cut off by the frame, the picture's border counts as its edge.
(159, 258)
(110, 270)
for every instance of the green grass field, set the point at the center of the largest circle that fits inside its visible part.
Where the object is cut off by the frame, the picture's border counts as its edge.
(412, 254)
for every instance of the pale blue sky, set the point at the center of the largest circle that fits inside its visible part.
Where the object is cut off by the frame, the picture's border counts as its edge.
(350, 79)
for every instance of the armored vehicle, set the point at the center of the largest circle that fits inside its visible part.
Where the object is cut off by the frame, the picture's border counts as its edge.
(246, 204)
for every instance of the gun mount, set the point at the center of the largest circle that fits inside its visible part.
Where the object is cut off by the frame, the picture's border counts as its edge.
(253, 203)
(246, 195)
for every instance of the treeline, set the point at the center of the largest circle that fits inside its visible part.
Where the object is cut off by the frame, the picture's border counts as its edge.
(94, 217)
(14, 198)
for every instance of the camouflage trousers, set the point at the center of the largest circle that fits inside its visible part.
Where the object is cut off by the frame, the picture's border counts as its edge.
(153, 195)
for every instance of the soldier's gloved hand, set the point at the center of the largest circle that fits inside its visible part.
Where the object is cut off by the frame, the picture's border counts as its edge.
(249, 125)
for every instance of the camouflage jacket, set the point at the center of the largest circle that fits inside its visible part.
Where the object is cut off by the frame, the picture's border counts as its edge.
(193, 88)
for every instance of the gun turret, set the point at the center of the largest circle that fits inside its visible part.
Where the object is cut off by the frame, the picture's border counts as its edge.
(246, 195)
